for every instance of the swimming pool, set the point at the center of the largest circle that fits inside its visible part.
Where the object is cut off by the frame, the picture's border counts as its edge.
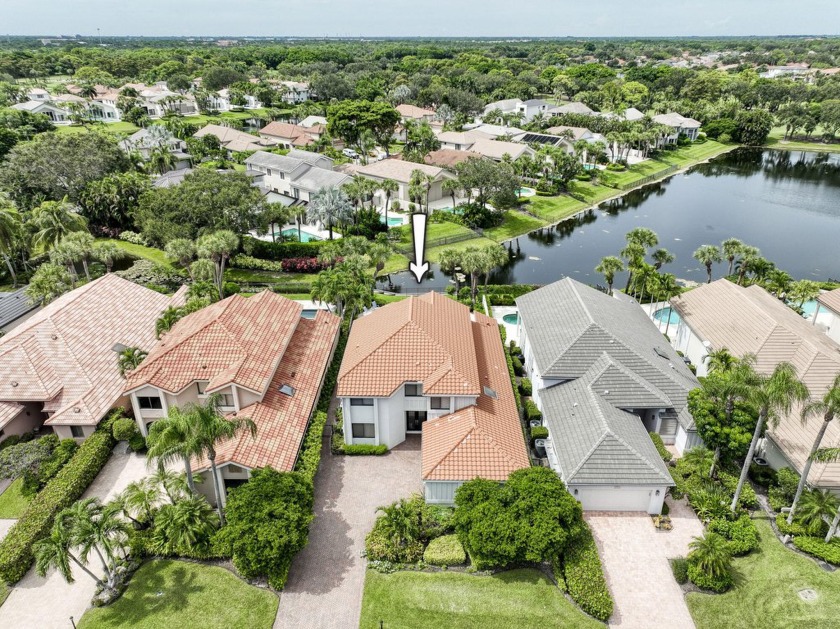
(512, 318)
(305, 236)
(809, 308)
(525, 192)
(393, 221)
(667, 314)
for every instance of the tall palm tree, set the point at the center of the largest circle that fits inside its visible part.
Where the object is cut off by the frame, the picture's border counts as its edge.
(608, 267)
(451, 187)
(140, 499)
(746, 255)
(129, 359)
(172, 439)
(389, 187)
(720, 360)
(774, 395)
(82, 243)
(634, 253)
(829, 455)
(10, 234)
(707, 255)
(53, 221)
(218, 247)
(731, 249)
(662, 256)
(828, 407)
(56, 551)
(329, 206)
(210, 428)
(449, 261)
(161, 160)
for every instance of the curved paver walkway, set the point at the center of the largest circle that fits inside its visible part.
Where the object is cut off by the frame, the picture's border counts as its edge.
(48, 603)
(635, 557)
(327, 578)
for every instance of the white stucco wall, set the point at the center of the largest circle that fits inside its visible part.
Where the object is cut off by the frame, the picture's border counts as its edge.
(687, 342)
(648, 499)
(440, 492)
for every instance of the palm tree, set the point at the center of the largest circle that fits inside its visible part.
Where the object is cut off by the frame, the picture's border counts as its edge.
(720, 360)
(82, 244)
(49, 282)
(140, 499)
(173, 484)
(389, 187)
(710, 553)
(96, 528)
(473, 262)
(53, 220)
(662, 256)
(55, 551)
(774, 395)
(451, 187)
(828, 408)
(731, 249)
(707, 255)
(218, 247)
(182, 251)
(778, 283)
(746, 255)
(449, 261)
(329, 206)
(634, 253)
(494, 256)
(161, 160)
(210, 428)
(608, 267)
(10, 234)
(172, 439)
(167, 319)
(108, 253)
(185, 525)
(829, 455)
(87, 90)
(129, 359)
(816, 505)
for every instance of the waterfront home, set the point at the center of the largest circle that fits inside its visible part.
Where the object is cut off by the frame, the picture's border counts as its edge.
(400, 171)
(296, 176)
(680, 125)
(830, 303)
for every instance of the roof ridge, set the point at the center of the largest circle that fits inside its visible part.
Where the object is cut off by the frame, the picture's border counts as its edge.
(587, 456)
(384, 340)
(471, 413)
(633, 450)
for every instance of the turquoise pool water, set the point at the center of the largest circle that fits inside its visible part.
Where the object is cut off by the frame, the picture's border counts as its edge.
(663, 316)
(809, 307)
(306, 313)
(527, 192)
(393, 221)
(304, 236)
(512, 318)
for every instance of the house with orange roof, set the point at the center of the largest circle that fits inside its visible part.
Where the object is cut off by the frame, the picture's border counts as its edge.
(289, 135)
(428, 366)
(265, 360)
(58, 368)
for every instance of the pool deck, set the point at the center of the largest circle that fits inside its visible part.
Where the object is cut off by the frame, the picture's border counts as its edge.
(511, 330)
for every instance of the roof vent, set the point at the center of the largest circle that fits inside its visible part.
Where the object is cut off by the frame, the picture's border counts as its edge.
(287, 390)
(76, 409)
(14, 383)
(54, 337)
(119, 348)
(491, 393)
(606, 391)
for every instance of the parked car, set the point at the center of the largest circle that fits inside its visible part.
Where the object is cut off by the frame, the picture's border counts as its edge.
(350, 153)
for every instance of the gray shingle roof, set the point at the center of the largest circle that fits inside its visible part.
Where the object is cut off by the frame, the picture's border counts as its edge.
(282, 163)
(317, 178)
(14, 305)
(313, 159)
(570, 325)
(595, 442)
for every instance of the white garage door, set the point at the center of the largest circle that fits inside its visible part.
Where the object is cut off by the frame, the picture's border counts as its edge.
(614, 499)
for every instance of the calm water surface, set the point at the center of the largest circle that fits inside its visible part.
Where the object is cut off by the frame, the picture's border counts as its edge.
(785, 203)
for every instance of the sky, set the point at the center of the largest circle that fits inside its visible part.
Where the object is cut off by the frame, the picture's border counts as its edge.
(443, 18)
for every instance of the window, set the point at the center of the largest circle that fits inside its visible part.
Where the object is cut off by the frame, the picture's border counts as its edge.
(235, 469)
(76, 432)
(201, 387)
(440, 403)
(364, 431)
(149, 402)
(361, 401)
(226, 399)
(414, 420)
(269, 172)
(413, 390)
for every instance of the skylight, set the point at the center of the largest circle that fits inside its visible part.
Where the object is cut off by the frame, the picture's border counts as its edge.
(287, 389)
(662, 353)
(491, 393)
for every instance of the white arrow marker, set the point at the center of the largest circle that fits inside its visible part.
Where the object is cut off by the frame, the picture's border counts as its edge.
(419, 267)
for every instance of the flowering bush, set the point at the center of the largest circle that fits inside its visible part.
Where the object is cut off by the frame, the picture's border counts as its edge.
(302, 265)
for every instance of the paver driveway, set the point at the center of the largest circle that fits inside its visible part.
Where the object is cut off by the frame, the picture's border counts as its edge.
(48, 603)
(635, 557)
(327, 578)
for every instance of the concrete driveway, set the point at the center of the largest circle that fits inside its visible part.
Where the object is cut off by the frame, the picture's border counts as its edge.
(48, 603)
(327, 578)
(635, 557)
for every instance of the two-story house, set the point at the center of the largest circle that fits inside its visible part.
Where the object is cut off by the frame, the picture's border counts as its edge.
(298, 175)
(261, 357)
(604, 377)
(400, 171)
(680, 125)
(427, 365)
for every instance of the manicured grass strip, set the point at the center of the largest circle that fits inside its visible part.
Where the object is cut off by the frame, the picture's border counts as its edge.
(514, 224)
(139, 251)
(518, 599)
(126, 128)
(766, 592)
(185, 595)
(12, 502)
(554, 209)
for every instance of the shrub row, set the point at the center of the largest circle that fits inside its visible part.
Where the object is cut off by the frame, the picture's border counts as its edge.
(310, 453)
(679, 566)
(510, 369)
(13, 440)
(660, 446)
(62, 491)
(445, 551)
(58, 459)
(364, 450)
(539, 432)
(817, 547)
(741, 534)
(531, 411)
(525, 387)
(585, 577)
(796, 528)
(255, 264)
(281, 250)
(302, 265)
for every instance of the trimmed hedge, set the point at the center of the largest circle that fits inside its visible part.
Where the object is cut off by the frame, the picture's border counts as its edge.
(539, 432)
(741, 534)
(364, 450)
(525, 387)
(702, 580)
(445, 551)
(281, 250)
(585, 577)
(310, 453)
(817, 547)
(660, 446)
(124, 429)
(62, 491)
(531, 411)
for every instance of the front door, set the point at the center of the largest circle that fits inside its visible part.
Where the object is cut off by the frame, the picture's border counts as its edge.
(414, 420)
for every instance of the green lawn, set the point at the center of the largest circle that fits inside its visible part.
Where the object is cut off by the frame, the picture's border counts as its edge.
(554, 209)
(166, 593)
(776, 141)
(518, 599)
(514, 224)
(766, 592)
(12, 502)
(126, 128)
(140, 251)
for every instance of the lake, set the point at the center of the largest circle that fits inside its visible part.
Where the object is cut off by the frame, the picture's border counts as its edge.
(786, 203)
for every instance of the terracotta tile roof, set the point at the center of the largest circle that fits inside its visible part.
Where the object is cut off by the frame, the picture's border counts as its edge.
(424, 339)
(449, 158)
(412, 111)
(8, 411)
(235, 341)
(484, 440)
(831, 300)
(233, 139)
(300, 136)
(63, 355)
(751, 321)
(281, 419)
(398, 170)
